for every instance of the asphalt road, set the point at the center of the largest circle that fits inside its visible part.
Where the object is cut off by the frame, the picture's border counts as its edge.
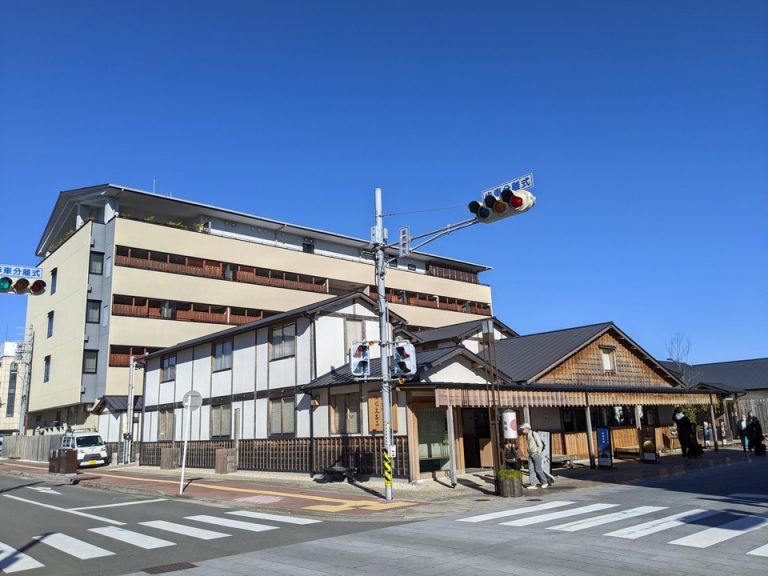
(66, 530)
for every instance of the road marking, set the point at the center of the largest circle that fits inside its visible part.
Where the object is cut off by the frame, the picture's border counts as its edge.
(75, 512)
(250, 526)
(577, 525)
(721, 533)
(749, 496)
(133, 503)
(73, 546)
(762, 551)
(44, 490)
(133, 538)
(557, 515)
(646, 528)
(11, 560)
(191, 531)
(275, 517)
(516, 511)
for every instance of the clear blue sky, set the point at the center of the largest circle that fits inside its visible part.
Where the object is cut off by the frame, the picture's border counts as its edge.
(644, 123)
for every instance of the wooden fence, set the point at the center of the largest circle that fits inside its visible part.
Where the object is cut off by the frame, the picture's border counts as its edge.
(289, 454)
(32, 448)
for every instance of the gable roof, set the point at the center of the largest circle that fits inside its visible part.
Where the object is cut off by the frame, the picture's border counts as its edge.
(526, 358)
(734, 376)
(274, 319)
(459, 332)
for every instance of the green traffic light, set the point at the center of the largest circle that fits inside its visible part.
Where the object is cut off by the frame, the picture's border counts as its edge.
(5, 284)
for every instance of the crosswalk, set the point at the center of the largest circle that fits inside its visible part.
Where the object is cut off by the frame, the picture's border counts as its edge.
(145, 536)
(716, 526)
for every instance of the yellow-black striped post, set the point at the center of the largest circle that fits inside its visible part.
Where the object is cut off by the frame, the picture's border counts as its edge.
(387, 468)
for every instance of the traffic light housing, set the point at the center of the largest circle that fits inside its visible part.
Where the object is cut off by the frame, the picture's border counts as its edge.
(508, 203)
(404, 359)
(21, 286)
(360, 359)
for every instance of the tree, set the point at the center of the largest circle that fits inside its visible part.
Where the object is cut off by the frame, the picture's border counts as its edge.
(678, 350)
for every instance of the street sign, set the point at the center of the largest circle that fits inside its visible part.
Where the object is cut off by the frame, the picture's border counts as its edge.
(404, 244)
(520, 183)
(192, 400)
(20, 271)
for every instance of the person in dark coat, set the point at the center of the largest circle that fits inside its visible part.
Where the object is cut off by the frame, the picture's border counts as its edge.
(684, 432)
(754, 430)
(511, 459)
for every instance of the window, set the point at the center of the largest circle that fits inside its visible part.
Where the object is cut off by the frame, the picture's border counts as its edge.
(93, 311)
(221, 421)
(54, 278)
(165, 425)
(11, 389)
(346, 413)
(608, 356)
(168, 368)
(353, 332)
(46, 369)
(308, 247)
(412, 267)
(90, 361)
(50, 323)
(393, 263)
(283, 342)
(96, 264)
(281, 415)
(222, 355)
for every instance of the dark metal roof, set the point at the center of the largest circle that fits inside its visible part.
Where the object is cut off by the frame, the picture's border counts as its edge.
(524, 357)
(735, 376)
(117, 404)
(460, 331)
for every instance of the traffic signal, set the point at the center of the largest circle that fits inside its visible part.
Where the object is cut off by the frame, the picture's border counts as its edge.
(359, 359)
(21, 286)
(508, 203)
(404, 361)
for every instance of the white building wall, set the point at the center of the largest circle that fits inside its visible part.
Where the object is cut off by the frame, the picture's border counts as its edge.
(303, 351)
(457, 371)
(303, 408)
(109, 427)
(244, 363)
(262, 359)
(184, 376)
(150, 422)
(282, 373)
(321, 426)
(262, 407)
(330, 343)
(221, 383)
(248, 419)
(152, 382)
(201, 375)
(201, 423)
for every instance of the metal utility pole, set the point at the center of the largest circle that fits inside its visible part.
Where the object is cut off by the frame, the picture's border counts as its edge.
(128, 436)
(24, 372)
(379, 241)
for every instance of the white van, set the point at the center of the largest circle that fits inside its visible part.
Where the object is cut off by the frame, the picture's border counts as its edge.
(91, 450)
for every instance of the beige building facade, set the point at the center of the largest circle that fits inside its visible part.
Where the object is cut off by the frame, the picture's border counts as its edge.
(131, 272)
(11, 388)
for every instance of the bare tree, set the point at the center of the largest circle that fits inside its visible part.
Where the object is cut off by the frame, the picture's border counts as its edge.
(678, 350)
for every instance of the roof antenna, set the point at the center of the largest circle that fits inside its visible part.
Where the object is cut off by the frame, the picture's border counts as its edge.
(153, 185)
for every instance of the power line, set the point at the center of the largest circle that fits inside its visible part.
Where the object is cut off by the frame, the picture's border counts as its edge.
(425, 210)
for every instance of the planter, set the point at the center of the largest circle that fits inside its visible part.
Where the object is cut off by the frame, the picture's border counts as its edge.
(511, 487)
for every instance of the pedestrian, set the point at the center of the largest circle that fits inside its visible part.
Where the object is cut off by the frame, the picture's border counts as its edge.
(754, 431)
(511, 459)
(707, 431)
(536, 475)
(684, 433)
(741, 427)
(722, 433)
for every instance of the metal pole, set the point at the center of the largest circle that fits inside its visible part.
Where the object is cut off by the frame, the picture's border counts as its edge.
(379, 242)
(187, 432)
(127, 439)
(590, 440)
(451, 443)
(713, 428)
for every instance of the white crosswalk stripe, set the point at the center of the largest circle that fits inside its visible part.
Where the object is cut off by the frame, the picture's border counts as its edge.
(275, 518)
(557, 515)
(711, 536)
(762, 551)
(11, 560)
(185, 530)
(132, 538)
(583, 524)
(661, 524)
(73, 546)
(227, 522)
(516, 511)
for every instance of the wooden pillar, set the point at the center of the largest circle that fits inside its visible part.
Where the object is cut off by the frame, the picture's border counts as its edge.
(590, 440)
(451, 443)
(713, 427)
(639, 429)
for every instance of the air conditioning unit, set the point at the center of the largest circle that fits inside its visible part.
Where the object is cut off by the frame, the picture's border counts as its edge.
(86, 338)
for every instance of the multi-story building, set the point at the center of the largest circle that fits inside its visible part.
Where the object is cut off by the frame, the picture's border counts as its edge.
(131, 272)
(11, 378)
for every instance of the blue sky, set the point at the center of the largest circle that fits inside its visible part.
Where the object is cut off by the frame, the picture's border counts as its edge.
(644, 124)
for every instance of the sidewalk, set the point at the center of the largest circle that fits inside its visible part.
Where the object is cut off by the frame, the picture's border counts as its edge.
(300, 494)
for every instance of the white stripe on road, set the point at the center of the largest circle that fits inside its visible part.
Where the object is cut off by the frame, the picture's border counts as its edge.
(762, 551)
(721, 533)
(577, 525)
(191, 531)
(558, 515)
(275, 517)
(516, 511)
(640, 530)
(73, 546)
(250, 526)
(132, 538)
(749, 496)
(120, 504)
(11, 560)
(75, 512)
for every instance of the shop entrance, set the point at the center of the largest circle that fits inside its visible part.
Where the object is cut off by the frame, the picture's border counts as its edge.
(478, 451)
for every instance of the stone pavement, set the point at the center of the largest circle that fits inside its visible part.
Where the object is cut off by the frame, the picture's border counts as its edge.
(362, 500)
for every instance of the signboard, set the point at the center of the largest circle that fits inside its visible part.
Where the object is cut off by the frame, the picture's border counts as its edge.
(520, 183)
(192, 400)
(20, 271)
(546, 464)
(648, 451)
(509, 424)
(376, 412)
(604, 451)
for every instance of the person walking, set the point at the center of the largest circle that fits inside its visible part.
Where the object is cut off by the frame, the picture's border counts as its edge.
(743, 434)
(754, 431)
(536, 476)
(511, 459)
(707, 431)
(723, 439)
(684, 433)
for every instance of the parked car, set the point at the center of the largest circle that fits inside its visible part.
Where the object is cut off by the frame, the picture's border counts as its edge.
(91, 450)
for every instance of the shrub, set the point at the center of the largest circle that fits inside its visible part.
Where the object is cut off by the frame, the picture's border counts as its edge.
(509, 474)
